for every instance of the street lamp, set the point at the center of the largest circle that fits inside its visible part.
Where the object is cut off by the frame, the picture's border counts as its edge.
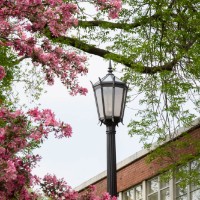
(110, 96)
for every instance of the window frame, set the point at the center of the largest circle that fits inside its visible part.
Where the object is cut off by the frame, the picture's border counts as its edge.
(160, 189)
(134, 192)
(188, 187)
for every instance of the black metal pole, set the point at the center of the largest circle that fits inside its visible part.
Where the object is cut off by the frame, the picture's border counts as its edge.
(111, 160)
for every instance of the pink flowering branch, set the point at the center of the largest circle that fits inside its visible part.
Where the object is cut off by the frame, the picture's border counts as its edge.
(47, 123)
(57, 188)
(16, 140)
(19, 18)
(2, 72)
(34, 16)
(22, 21)
(113, 7)
(90, 195)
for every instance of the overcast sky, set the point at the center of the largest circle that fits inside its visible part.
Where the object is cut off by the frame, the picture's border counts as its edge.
(82, 156)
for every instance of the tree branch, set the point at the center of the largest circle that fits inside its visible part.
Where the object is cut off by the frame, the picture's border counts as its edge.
(105, 24)
(128, 62)
(16, 62)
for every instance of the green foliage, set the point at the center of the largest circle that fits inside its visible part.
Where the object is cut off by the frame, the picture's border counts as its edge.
(7, 60)
(159, 42)
(174, 160)
(17, 72)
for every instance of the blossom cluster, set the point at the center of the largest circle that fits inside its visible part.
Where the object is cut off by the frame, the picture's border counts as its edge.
(21, 22)
(90, 195)
(57, 188)
(113, 6)
(2, 72)
(17, 138)
(54, 14)
(47, 123)
(20, 133)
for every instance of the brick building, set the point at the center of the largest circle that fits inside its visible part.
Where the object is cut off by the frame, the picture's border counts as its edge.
(137, 180)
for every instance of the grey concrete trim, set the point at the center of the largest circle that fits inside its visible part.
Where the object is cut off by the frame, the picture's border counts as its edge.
(91, 181)
(135, 157)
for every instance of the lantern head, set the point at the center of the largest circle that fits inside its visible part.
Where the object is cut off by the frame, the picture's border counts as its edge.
(110, 96)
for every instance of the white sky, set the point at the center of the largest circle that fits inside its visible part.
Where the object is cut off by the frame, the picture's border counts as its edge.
(82, 156)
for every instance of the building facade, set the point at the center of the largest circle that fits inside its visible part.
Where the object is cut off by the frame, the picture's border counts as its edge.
(138, 180)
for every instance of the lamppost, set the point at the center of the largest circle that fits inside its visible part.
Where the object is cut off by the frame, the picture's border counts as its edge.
(110, 96)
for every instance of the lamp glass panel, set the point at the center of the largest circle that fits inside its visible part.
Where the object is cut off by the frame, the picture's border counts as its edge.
(107, 95)
(108, 78)
(99, 102)
(124, 101)
(118, 101)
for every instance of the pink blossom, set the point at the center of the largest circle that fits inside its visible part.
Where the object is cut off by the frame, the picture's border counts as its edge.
(2, 134)
(21, 179)
(32, 16)
(35, 113)
(66, 130)
(2, 151)
(2, 195)
(80, 90)
(21, 21)
(114, 7)
(16, 114)
(63, 191)
(2, 72)
(11, 170)
(36, 135)
(3, 112)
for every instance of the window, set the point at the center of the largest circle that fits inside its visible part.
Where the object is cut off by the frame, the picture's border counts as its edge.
(157, 189)
(191, 191)
(181, 191)
(134, 193)
(194, 189)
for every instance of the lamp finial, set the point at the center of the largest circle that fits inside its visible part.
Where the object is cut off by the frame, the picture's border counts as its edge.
(110, 68)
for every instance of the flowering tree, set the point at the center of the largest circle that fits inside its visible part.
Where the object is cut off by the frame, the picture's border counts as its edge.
(24, 24)
(17, 140)
(18, 137)
(157, 41)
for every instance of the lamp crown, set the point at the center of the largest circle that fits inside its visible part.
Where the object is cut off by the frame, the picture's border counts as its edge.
(110, 70)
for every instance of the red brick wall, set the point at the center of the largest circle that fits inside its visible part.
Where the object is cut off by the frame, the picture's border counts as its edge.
(139, 170)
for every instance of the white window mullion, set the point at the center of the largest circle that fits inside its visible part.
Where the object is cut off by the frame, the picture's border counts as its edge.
(159, 187)
(188, 192)
(172, 189)
(134, 193)
(188, 187)
(120, 196)
(144, 190)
